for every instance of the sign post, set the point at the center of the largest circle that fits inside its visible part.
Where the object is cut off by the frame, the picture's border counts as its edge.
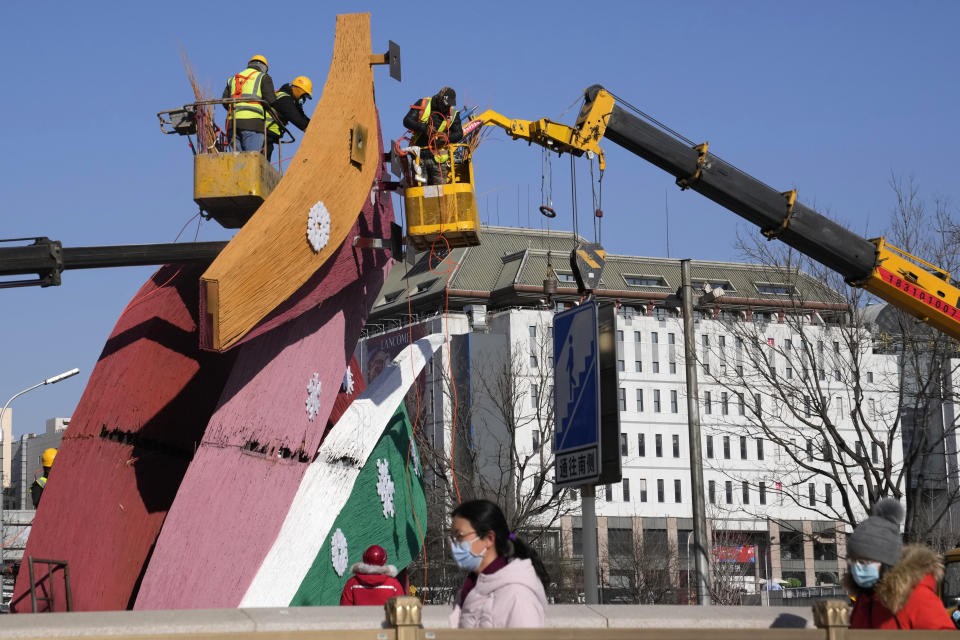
(587, 426)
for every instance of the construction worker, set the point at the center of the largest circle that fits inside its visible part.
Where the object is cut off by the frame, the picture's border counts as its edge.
(434, 125)
(248, 119)
(36, 489)
(373, 581)
(289, 109)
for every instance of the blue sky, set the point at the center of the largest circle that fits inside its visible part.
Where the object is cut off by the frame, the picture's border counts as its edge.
(826, 97)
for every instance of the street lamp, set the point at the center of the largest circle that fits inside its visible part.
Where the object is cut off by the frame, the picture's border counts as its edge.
(55, 379)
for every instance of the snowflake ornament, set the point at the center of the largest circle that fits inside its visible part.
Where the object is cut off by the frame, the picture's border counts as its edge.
(338, 552)
(347, 385)
(385, 487)
(318, 226)
(313, 396)
(416, 458)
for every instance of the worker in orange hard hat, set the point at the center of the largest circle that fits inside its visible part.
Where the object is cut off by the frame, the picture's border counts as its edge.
(289, 109)
(373, 582)
(36, 489)
(246, 118)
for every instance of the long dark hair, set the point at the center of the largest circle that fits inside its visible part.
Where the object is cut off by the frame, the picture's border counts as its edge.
(486, 516)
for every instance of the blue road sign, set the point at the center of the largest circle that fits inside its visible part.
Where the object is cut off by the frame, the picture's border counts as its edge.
(576, 396)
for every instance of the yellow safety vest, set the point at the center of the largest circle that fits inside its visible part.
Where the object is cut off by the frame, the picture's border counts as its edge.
(246, 84)
(42, 481)
(442, 156)
(272, 126)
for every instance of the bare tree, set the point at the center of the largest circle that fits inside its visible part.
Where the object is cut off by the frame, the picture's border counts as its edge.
(497, 445)
(856, 398)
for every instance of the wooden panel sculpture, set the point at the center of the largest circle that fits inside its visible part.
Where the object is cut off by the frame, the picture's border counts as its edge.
(275, 253)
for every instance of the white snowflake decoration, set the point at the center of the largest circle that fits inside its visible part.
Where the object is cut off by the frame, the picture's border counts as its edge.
(338, 552)
(313, 396)
(416, 458)
(385, 487)
(347, 384)
(318, 226)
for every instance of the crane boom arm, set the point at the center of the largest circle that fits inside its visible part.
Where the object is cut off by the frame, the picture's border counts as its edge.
(901, 279)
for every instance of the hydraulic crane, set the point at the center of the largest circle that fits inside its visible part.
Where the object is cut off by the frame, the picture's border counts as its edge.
(905, 281)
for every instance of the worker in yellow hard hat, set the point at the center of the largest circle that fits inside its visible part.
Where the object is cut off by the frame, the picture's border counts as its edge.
(289, 109)
(36, 489)
(246, 119)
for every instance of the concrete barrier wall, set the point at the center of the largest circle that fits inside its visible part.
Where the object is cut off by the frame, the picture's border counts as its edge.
(126, 623)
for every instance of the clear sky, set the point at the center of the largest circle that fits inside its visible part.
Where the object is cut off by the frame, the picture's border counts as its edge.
(826, 97)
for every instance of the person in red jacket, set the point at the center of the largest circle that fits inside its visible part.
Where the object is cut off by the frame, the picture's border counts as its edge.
(895, 586)
(373, 581)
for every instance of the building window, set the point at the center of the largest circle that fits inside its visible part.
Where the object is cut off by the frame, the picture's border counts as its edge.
(728, 490)
(636, 337)
(812, 494)
(654, 338)
(762, 488)
(759, 448)
(622, 398)
(758, 406)
(656, 400)
(620, 365)
(655, 366)
(870, 377)
(875, 452)
(745, 491)
(638, 365)
(741, 408)
(676, 446)
(707, 404)
(609, 493)
(533, 331)
(709, 446)
(639, 400)
(643, 490)
(658, 445)
(706, 368)
(789, 372)
(860, 450)
(809, 450)
(712, 492)
(659, 490)
(739, 370)
(743, 447)
(726, 447)
(673, 367)
(534, 397)
(828, 494)
(624, 449)
(836, 374)
(860, 491)
(536, 439)
(724, 403)
(619, 336)
(673, 401)
(677, 492)
(836, 346)
(626, 489)
(787, 345)
(641, 445)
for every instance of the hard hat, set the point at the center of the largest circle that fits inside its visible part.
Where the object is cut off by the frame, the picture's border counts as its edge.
(259, 58)
(375, 555)
(46, 458)
(303, 83)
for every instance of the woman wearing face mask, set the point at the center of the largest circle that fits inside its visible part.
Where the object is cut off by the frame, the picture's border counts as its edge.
(505, 585)
(895, 586)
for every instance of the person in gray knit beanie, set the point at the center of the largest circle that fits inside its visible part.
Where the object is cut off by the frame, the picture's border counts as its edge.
(878, 537)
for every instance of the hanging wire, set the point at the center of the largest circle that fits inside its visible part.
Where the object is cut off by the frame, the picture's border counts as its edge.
(573, 197)
(597, 193)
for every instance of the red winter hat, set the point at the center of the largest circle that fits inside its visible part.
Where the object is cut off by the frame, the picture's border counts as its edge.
(375, 555)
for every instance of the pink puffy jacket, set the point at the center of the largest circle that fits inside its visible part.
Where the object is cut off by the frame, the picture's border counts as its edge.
(511, 597)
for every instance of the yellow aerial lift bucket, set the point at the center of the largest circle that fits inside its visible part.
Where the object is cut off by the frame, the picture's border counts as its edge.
(231, 186)
(448, 210)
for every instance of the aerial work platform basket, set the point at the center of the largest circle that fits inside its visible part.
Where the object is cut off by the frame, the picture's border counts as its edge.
(228, 185)
(448, 210)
